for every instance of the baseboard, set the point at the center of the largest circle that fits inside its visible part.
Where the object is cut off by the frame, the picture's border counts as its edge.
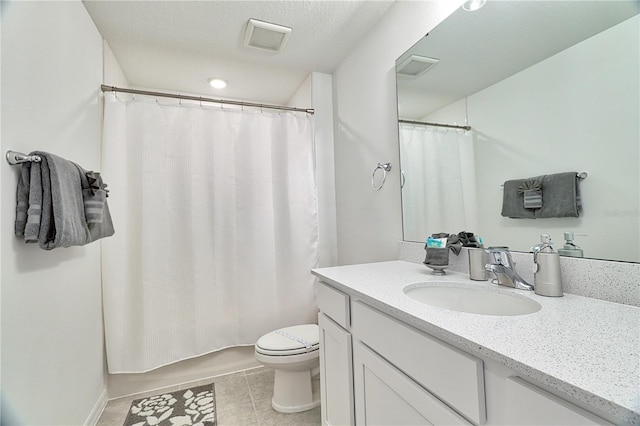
(97, 410)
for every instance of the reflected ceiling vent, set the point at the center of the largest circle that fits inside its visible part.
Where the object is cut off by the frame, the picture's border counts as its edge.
(415, 65)
(266, 36)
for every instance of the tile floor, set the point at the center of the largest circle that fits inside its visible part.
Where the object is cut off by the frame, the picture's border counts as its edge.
(242, 399)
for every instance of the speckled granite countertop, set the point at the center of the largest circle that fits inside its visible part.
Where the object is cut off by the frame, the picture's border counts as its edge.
(582, 347)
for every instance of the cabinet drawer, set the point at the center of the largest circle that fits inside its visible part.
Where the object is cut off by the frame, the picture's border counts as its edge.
(386, 396)
(334, 304)
(453, 376)
(530, 405)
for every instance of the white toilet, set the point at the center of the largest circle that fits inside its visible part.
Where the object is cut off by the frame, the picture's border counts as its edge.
(293, 352)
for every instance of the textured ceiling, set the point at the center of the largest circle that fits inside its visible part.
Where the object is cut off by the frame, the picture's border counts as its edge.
(177, 45)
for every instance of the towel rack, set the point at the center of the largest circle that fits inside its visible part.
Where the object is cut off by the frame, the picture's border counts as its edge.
(579, 175)
(15, 158)
(385, 167)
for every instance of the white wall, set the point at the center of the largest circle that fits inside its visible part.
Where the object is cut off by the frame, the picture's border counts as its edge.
(369, 222)
(316, 92)
(52, 339)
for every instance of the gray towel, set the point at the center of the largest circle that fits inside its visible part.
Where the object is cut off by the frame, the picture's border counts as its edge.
(22, 199)
(560, 195)
(56, 212)
(437, 256)
(96, 209)
(532, 192)
(63, 223)
(532, 199)
(513, 200)
(32, 230)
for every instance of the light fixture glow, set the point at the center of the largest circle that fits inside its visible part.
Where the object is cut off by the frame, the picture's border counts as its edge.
(217, 83)
(471, 5)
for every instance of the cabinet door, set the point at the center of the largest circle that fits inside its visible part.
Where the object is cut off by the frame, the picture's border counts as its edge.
(529, 405)
(336, 373)
(385, 396)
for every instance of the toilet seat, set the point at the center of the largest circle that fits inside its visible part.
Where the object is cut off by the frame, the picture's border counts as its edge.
(295, 340)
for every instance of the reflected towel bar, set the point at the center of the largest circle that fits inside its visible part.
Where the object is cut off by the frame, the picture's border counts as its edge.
(14, 158)
(579, 175)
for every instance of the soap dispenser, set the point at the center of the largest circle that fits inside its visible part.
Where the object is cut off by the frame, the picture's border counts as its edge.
(546, 268)
(570, 249)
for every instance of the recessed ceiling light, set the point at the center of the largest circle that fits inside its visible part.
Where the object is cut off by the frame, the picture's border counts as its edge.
(471, 5)
(217, 83)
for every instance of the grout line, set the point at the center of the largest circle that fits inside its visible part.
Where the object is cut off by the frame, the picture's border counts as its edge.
(253, 403)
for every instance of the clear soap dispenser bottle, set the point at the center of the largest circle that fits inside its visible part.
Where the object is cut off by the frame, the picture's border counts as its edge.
(546, 267)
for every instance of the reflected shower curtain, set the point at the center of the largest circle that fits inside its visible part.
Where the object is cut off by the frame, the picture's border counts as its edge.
(216, 217)
(439, 193)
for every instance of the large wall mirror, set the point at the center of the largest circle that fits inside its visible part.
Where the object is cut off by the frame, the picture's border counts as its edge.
(546, 87)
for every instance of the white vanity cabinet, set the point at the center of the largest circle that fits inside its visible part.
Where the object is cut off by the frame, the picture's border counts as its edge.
(386, 396)
(442, 372)
(336, 365)
(378, 370)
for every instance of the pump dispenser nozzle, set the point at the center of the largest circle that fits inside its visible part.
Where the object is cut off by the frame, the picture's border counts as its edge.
(570, 249)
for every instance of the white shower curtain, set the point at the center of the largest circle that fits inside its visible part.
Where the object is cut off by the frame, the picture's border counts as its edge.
(439, 193)
(215, 211)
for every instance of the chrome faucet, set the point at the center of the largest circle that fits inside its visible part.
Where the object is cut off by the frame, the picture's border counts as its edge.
(504, 269)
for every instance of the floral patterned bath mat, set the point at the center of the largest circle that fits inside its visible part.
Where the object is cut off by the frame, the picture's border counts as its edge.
(194, 406)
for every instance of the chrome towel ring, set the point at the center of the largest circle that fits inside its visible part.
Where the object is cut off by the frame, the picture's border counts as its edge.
(385, 167)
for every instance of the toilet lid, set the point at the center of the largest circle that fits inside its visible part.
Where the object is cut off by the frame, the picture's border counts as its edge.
(294, 340)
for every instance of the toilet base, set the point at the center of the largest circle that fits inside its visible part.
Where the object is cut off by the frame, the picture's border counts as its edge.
(292, 392)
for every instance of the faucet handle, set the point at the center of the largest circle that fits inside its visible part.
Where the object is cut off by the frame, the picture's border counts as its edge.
(500, 256)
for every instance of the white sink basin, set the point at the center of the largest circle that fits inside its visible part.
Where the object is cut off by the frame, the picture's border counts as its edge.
(464, 298)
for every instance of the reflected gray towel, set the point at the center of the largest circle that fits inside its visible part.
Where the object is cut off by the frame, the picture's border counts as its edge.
(513, 200)
(532, 192)
(561, 196)
(532, 199)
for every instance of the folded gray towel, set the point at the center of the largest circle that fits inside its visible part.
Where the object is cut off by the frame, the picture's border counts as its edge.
(561, 196)
(437, 256)
(59, 196)
(63, 223)
(22, 199)
(96, 209)
(531, 189)
(513, 200)
(532, 199)
(32, 230)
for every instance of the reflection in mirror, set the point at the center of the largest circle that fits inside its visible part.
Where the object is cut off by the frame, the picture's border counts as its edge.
(546, 87)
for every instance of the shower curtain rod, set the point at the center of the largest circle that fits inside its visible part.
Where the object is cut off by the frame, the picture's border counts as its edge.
(106, 88)
(423, 123)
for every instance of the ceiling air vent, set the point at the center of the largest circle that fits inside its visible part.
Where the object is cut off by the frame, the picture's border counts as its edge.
(266, 36)
(415, 65)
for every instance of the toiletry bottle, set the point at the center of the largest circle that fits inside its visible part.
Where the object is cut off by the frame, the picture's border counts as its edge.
(570, 249)
(546, 266)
